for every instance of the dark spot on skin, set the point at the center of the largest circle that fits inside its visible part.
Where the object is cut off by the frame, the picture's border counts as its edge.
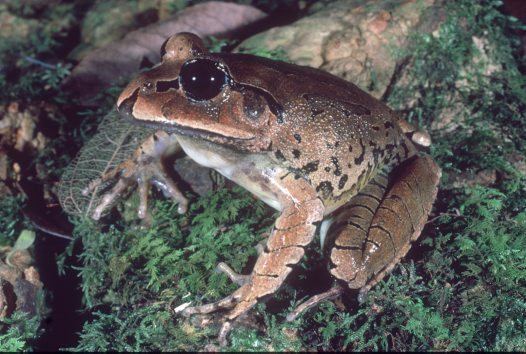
(296, 153)
(163, 86)
(311, 167)
(359, 159)
(326, 188)
(316, 111)
(388, 125)
(337, 170)
(327, 169)
(297, 137)
(389, 148)
(279, 155)
(350, 148)
(376, 128)
(336, 144)
(306, 169)
(342, 181)
(359, 110)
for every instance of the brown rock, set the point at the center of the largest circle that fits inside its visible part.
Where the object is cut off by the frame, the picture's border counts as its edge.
(352, 39)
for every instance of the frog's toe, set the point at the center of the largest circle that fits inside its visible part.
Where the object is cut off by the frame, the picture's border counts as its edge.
(143, 189)
(330, 294)
(236, 278)
(223, 304)
(162, 180)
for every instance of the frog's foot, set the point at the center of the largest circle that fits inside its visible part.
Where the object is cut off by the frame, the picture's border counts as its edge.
(293, 231)
(377, 227)
(235, 302)
(143, 169)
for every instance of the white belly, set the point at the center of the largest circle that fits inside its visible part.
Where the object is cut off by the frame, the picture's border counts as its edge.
(230, 164)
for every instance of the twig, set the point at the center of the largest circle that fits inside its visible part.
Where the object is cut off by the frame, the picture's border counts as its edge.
(39, 62)
(444, 214)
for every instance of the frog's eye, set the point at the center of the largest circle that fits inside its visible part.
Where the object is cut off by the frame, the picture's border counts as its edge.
(202, 79)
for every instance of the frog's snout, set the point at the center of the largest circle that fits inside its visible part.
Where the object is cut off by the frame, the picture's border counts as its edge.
(125, 104)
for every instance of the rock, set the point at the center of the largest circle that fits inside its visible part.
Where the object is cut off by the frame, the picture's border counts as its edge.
(20, 285)
(18, 128)
(470, 179)
(355, 40)
(14, 28)
(108, 21)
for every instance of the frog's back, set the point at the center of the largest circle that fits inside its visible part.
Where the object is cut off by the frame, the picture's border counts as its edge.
(330, 132)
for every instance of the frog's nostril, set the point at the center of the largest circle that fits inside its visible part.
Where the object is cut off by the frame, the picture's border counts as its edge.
(147, 87)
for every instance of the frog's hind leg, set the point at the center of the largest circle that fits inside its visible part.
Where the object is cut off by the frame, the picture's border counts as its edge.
(347, 233)
(375, 229)
(365, 252)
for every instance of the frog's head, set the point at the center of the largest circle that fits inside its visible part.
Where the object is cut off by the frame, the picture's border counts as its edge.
(194, 93)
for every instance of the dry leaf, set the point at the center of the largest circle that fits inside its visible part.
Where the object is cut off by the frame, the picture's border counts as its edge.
(121, 59)
(114, 142)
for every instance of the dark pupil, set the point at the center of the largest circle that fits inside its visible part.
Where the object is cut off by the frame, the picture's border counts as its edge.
(202, 79)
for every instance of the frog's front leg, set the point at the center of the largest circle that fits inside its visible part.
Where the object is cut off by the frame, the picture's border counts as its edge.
(145, 167)
(294, 229)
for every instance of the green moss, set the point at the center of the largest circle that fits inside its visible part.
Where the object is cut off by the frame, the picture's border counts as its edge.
(18, 332)
(10, 222)
(130, 269)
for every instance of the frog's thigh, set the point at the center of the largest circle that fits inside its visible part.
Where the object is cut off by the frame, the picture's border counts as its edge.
(382, 222)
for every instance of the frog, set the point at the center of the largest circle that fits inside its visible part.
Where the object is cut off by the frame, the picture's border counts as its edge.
(331, 159)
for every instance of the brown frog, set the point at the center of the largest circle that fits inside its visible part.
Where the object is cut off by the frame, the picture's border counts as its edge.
(322, 152)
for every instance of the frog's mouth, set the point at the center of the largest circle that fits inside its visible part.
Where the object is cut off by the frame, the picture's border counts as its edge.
(209, 131)
(206, 130)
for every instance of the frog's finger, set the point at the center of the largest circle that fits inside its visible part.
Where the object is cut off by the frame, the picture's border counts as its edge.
(126, 169)
(108, 198)
(165, 183)
(143, 189)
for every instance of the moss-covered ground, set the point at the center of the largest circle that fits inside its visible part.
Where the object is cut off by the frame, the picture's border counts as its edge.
(461, 287)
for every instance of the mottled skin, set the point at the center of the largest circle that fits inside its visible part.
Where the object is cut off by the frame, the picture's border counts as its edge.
(315, 147)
